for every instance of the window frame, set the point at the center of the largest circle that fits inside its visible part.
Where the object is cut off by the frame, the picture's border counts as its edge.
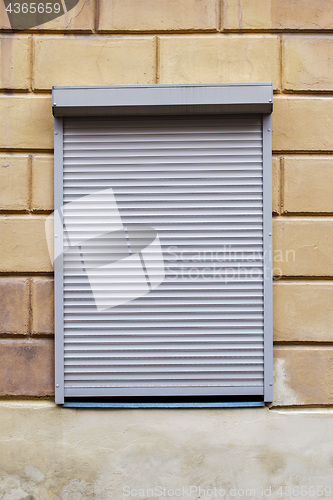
(158, 100)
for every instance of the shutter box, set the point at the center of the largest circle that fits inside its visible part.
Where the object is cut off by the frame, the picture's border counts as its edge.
(162, 247)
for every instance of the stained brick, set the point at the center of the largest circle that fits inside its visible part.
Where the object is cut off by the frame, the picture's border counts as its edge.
(303, 376)
(14, 305)
(42, 306)
(26, 368)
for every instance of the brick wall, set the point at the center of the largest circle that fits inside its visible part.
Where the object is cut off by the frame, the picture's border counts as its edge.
(288, 42)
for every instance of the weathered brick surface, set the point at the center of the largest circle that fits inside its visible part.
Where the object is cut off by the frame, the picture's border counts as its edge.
(14, 305)
(42, 183)
(308, 63)
(93, 61)
(276, 185)
(42, 306)
(23, 245)
(303, 247)
(164, 15)
(15, 62)
(26, 368)
(303, 124)
(80, 18)
(14, 182)
(303, 376)
(303, 311)
(308, 184)
(277, 14)
(219, 59)
(26, 122)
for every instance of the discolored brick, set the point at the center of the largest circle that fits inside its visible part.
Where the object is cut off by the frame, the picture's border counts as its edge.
(26, 368)
(42, 306)
(14, 306)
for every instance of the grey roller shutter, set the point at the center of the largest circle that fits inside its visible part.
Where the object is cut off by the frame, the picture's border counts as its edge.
(193, 186)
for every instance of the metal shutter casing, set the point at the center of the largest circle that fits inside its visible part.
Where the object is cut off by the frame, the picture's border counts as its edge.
(198, 182)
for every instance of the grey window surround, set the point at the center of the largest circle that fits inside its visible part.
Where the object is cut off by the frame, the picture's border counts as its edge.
(139, 102)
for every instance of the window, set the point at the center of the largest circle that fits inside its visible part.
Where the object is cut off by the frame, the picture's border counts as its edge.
(163, 243)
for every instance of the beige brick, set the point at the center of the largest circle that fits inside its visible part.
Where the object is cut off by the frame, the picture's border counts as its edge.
(164, 15)
(42, 306)
(26, 122)
(26, 368)
(308, 184)
(308, 63)
(303, 124)
(23, 245)
(42, 183)
(80, 18)
(219, 59)
(93, 61)
(303, 247)
(14, 305)
(14, 182)
(4, 21)
(303, 376)
(276, 185)
(303, 312)
(278, 14)
(15, 62)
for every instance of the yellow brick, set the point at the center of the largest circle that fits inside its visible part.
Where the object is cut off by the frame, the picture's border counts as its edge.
(150, 15)
(23, 245)
(80, 18)
(277, 14)
(42, 183)
(15, 62)
(308, 184)
(26, 122)
(303, 247)
(246, 14)
(303, 312)
(308, 63)
(303, 376)
(14, 182)
(93, 61)
(301, 124)
(219, 59)
(276, 185)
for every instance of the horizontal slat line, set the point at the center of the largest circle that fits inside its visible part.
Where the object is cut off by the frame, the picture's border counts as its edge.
(170, 128)
(227, 182)
(234, 219)
(186, 351)
(212, 286)
(162, 368)
(164, 377)
(171, 384)
(233, 165)
(174, 309)
(158, 338)
(251, 208)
